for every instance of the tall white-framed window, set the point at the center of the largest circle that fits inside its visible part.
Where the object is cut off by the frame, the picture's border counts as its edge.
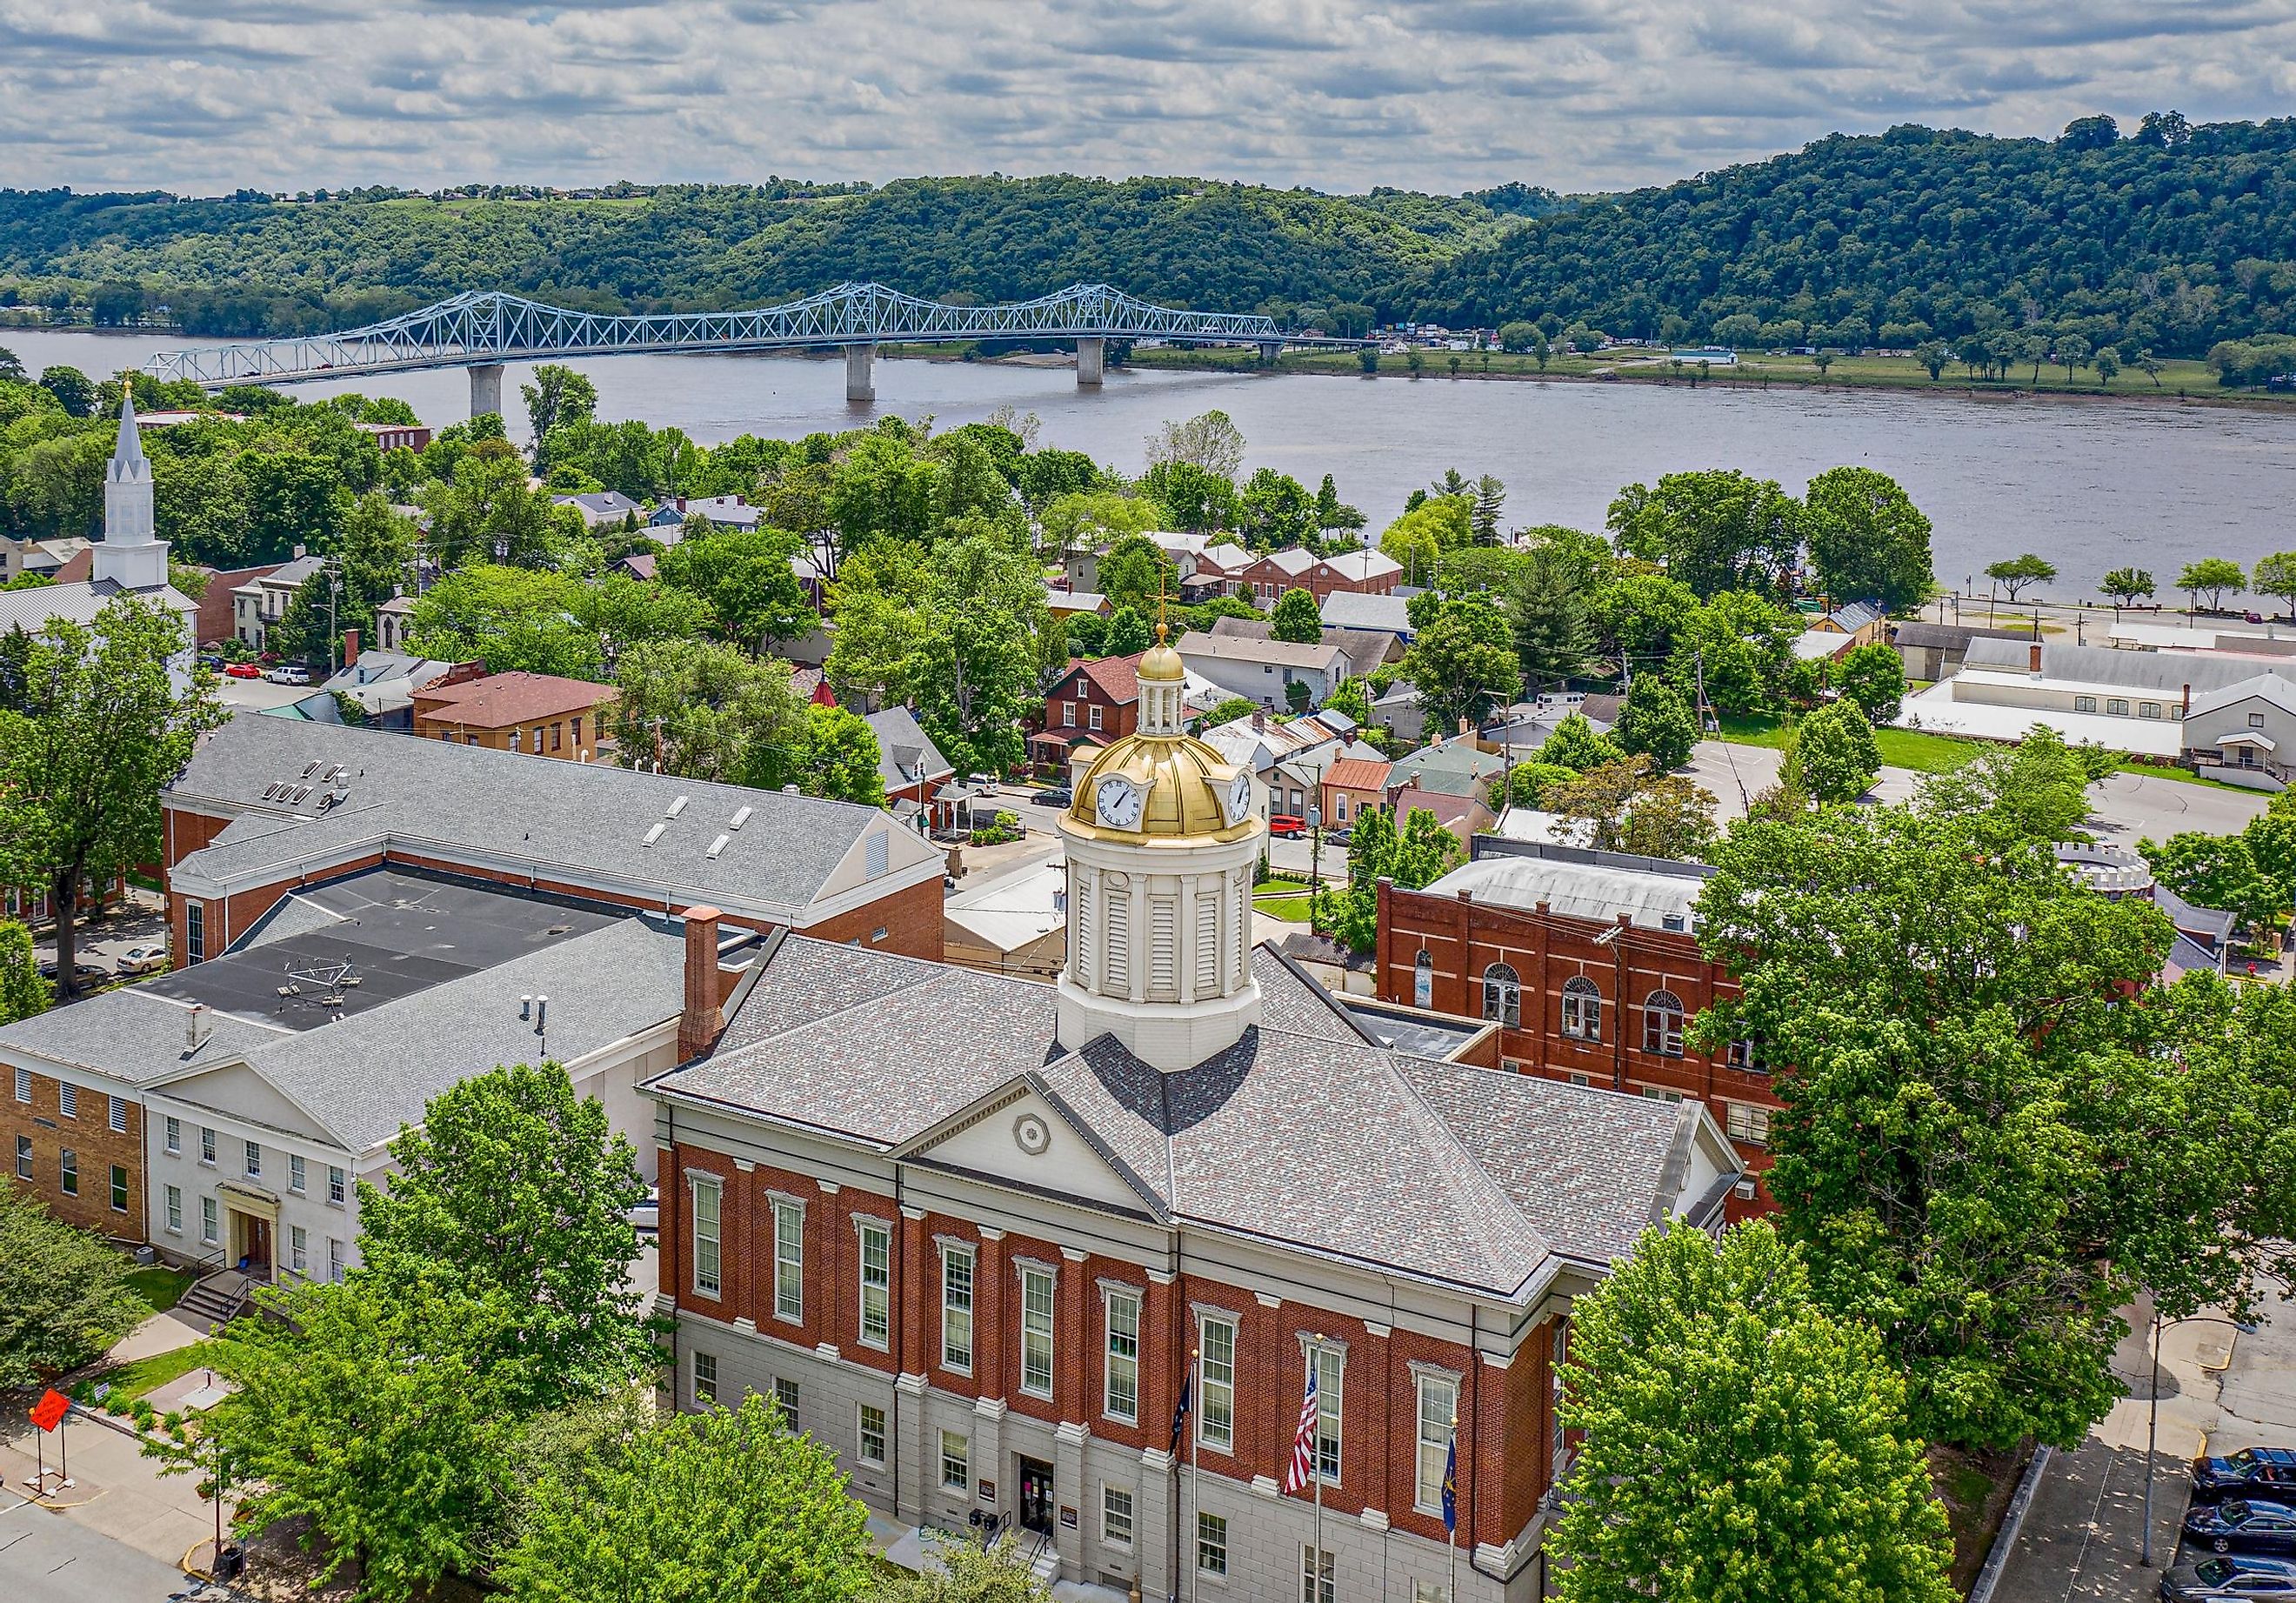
(705, 1377)
(208, 1219)
(297, 1174)
(1749, 1124)
(1330, 1377)
(195, 930)
(1116, 1515)
(254, 1159)
(1503, 995)
(707, 1264)
(335, 1186)
(1438, 1405)
(789, 1260)
(876, 1284)
(207, 1144)
(1557, 1358)
(335, 1259)
(1120, 1389)
(785, 1398)
(1211, 1543)
(298, 1256)
(175, 1209)
(871, 1430)
(174, 1128)
(1316, 1582)
(1035, 1331)
(1662, 1021)
(1582, 1009)
(956, 1309)
(955, 1462)
(1215, 1408)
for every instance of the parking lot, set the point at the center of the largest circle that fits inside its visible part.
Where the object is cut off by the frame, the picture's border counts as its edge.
(138, 923)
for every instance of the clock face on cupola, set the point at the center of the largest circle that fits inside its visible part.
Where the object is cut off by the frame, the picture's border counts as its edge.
(1162, 843)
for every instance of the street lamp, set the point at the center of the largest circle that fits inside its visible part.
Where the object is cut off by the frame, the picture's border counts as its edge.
(2153, 1427)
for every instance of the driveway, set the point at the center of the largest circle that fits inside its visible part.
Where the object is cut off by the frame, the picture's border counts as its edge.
(2129, 808)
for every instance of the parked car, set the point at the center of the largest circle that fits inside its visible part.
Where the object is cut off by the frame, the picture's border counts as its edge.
(1287, 825)
(2249, 1524)
(1059, 795)
(85, 972)
(2269, 1470)
(292, 673)
(244, 671)
(645, 1217)
(2222, 1580)
(1336, 837)
(141, 960)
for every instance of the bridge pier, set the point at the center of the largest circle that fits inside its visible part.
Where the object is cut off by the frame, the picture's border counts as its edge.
(1268, 353)
(485, 388)
(857, 384)
(1091, 355)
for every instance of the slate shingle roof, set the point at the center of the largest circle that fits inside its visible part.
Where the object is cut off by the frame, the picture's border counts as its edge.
(1306, 1132)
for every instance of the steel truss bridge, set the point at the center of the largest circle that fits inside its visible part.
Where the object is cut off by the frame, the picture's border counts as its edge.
(481, 330)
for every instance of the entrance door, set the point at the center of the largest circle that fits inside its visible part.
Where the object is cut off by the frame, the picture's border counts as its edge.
(1035, 1501)
(259, 1247)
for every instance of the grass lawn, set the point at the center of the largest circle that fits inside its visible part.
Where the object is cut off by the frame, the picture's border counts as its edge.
(2182, 776)
(147, 1375)
(1278, 881)
(1900, 748)
(1291, 909)
(160, 1286)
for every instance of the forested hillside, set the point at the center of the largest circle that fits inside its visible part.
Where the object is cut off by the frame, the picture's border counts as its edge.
(2170, 240)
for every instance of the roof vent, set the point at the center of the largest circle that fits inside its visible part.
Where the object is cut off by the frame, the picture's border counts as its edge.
(653, 834)
(740, 816)
(674, 809)
(310, 768)
(717, 845)
(301, 791)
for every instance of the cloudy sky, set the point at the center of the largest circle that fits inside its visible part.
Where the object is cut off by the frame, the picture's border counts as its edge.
(203, 95)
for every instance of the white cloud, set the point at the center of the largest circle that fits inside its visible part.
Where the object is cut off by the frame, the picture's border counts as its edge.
(204, 95)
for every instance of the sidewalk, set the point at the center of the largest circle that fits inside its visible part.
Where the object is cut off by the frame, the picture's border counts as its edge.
(2083, 1539)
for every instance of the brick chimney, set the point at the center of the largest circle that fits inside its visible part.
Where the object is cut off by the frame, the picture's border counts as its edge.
(351, 647)
(698, 1022)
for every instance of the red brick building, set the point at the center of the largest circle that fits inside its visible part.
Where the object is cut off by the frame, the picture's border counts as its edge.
(1590, 965)
(1099, 698)
(1266, 576)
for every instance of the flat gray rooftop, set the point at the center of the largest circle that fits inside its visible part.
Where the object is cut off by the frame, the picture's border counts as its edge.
(372, 939)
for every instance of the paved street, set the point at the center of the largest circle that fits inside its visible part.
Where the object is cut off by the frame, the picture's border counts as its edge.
(2083, 1539)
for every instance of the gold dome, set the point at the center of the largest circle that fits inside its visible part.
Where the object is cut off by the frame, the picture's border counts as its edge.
(1184, 781)
(1160, 664)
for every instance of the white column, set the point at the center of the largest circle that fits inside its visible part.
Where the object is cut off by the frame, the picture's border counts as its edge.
(857, 384)
(1089, 359)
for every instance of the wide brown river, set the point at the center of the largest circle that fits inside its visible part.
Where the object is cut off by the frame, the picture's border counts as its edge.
(2088, 485)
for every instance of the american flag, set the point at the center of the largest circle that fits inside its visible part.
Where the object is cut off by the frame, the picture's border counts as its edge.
(1303, 1441)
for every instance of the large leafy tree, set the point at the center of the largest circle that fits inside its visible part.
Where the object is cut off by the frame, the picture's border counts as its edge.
(1657, 722)
(1969, 1156)
(1743, 1443)
(64, 1295)
(1463, 663)
(517, 1192)
(372, 1410)
(1625, 807)
(744, 578)
(1546, 609)
(838, 758)
(2216, 871)
(558, 394)
(1834, 758)
(1738, 648)
(23, 992)
(1874, 676)
(1417, 854)
(1296, 618)
(1867, 539)
(715, 1507)
(99, 729)
(1575, 745)
(2015, 573)
(1715, 531)
(2211, 576)
(704, 712)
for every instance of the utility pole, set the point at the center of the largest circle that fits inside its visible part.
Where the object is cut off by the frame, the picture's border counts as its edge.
(334, 571)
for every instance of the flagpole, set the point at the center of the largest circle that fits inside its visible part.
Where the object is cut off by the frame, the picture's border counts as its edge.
(1452, 1596)
(1316, 1467)
(1195, 1494)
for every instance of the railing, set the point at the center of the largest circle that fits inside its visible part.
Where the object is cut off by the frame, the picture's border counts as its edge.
(480, 327)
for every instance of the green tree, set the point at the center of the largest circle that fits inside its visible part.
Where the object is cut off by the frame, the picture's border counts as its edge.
(1209, 440)
(1867, 539)
(1421, 536)
(1296, 618)
(2014, 573)
(968, 1574)
(1656, 722)
(1738, 647)
(2218, 871)
(100, 730)
(1933, 355)
(1575, 745)
(1715, 530)
(1516, 336)
(2107, 363)
(1546, 613)
(23, 992)
(1464, 664)
(839, 757)
(514, 620)
(724, 1507)
(1641, 615)
(1533, 783)
(1956, 1158)
(1332, 513)
(1742, 1442)
(1353, 699)
(1196, 499)
(744, 578)
(64, 1295)
(558, 394)
(1483, 516)
(1094, 519)
(487, 512)
(2125, 585)
(2275, 576)
(1624, 806)
(1874, 676)
(1135, 573)
(74, 390)
(1834, 758)
(514, 1191)
(1229, 711)
(2211, 576)
(704, 710)
(1275, 510)
(1124, 634)
(1413, 856)
(368, 1412)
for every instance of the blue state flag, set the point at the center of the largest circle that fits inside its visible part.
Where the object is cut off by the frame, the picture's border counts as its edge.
(1451, 1485)
(1180, 1414)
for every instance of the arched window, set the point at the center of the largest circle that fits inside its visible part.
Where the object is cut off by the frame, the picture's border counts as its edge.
(1503, 995)
(1582, 1009)
(1662, 1024)
(1422, 980)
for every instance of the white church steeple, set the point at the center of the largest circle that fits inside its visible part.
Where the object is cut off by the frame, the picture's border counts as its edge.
(130, 554)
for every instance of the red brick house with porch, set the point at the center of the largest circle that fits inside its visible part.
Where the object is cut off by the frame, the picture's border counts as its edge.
(1099, 697)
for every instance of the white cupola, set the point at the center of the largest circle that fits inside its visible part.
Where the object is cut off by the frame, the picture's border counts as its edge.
(130, 554)
(1162, 842)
